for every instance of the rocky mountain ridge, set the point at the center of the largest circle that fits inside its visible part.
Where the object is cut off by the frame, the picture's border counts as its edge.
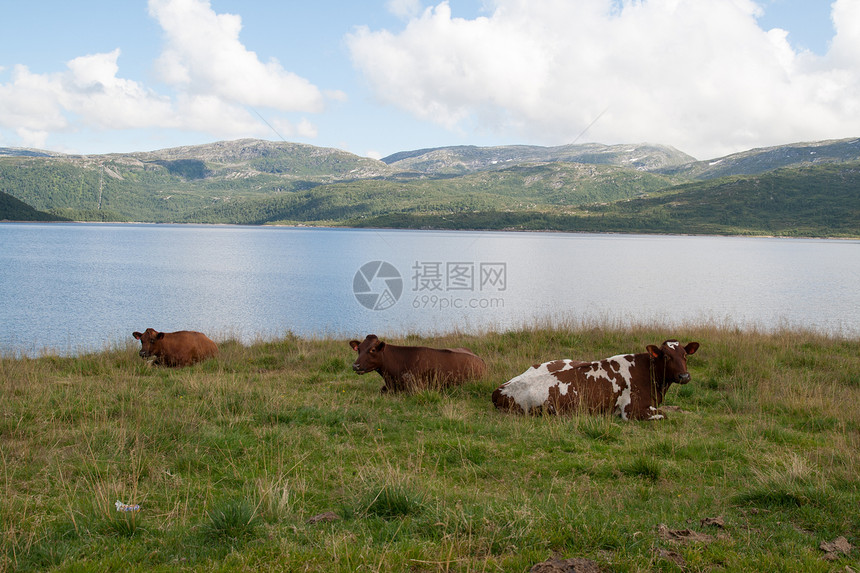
(262, 156)
(464, 159)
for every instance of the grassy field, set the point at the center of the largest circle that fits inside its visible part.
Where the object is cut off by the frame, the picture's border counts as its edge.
(233, 461)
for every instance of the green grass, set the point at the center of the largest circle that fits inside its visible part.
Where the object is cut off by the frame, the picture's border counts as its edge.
(230, 459)
(231, 520)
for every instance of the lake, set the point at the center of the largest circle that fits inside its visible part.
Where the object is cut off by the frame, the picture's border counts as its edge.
(71, 288)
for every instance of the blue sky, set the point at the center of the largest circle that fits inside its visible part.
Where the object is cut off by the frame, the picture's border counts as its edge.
(709, 77)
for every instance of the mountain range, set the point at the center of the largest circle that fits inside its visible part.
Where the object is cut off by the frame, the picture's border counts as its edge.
(809, 189)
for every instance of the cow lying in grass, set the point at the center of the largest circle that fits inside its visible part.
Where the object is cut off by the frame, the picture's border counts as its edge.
(181, 348)
(415, 367)
(631, 386)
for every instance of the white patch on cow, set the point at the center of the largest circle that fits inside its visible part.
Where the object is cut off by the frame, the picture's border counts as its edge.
(625, 363)
(672, 344)
(563, 388)
(531, 388)
(621, 365)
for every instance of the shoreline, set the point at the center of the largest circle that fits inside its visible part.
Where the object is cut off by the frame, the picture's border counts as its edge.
(439, 230)
(585, 327)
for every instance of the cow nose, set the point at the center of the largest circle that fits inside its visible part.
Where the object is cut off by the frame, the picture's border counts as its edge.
(142, 354)
(684, 378)
(355, 366)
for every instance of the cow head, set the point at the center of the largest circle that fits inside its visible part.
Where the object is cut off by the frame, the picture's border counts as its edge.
(147, 341)
(369, 354)
(673, 357)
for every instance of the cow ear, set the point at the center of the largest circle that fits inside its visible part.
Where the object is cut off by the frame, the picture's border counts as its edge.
(159, 336)
(136, 335)
(654, 351)
(380, 346)
(692, 347)
(354, 344)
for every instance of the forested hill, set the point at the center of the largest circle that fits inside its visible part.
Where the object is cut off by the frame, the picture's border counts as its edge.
(765, 159)
(812, 188)
(808, 201)
(12, 209)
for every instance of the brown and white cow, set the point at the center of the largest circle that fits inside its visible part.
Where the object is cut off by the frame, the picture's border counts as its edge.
(175, 348)
(415, 367)
(631, 386)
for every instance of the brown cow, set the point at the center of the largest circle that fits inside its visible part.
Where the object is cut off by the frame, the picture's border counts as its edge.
(413, 367)
(175, 348)
(631, 386)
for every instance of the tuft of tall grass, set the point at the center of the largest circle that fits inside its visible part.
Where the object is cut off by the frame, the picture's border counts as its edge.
(122, 524)
(602, 428)
(390, 501)
(647, 468)
(280, 497)
(233, 519)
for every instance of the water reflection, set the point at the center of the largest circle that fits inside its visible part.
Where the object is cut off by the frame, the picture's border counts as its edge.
(72, 287)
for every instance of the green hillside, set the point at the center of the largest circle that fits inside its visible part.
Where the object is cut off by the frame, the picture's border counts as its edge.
(761, 160)
(808, 201)
(12, 209)
(520, 188)
(796, 190)
(168, 185)
(819, 201)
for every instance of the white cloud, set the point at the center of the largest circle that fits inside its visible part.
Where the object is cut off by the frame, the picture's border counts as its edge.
(31, 138)
(29, 102)
(698, 74)
(87, 93)
(846, 43)
(213, 81)
(306, 129)
(92, 90)
(205, 56)
(404, 8)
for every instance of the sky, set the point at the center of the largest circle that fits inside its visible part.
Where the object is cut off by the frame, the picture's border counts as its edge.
(374, 77)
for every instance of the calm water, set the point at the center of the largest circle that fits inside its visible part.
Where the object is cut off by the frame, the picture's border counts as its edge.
(77, 287)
